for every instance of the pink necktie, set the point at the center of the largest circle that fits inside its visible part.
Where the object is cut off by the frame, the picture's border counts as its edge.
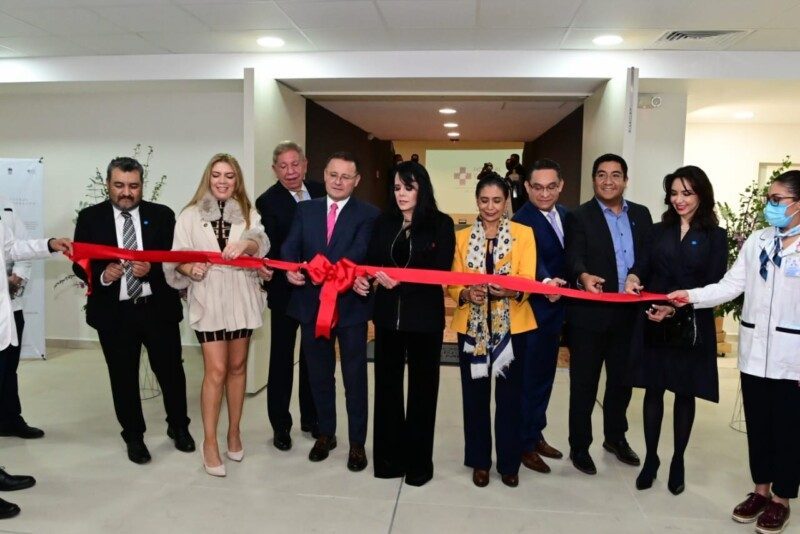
(331, 220)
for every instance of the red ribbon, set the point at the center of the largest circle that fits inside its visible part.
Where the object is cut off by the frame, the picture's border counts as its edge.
(337, 278)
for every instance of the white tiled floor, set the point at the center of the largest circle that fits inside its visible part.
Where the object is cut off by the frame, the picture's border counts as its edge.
(87, 485)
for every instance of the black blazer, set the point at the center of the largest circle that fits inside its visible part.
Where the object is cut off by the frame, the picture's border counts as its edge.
(350, 240)
(590, 249)
(550, 263)
(96, 225)
(412, 307)
(277, 206)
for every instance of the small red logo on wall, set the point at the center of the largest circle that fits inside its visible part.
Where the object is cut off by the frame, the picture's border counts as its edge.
(461, 176)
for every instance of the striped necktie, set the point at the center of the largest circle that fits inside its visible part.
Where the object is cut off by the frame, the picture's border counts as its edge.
(776, 258)
(129, 242)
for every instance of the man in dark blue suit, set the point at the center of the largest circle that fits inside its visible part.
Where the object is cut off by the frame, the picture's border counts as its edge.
(542, 213)
(277, 207)
(338, 226)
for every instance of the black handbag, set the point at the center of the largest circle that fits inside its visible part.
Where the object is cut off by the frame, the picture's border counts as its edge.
(677, 332)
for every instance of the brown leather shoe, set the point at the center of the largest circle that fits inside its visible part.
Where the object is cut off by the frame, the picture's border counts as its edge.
(773, 519)
(357, 459)
(512, 481)
(544, 449)
(480, 477)
(748, 510)
(533, 461)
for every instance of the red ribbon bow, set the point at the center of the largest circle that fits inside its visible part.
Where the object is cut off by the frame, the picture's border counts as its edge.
(336, 278)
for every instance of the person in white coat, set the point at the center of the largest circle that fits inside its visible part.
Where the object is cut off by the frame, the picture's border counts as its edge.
(767, 271)
(18, 273)
(17, 250)
(225, 303)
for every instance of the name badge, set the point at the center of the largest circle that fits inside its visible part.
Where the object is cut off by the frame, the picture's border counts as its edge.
(791, 265)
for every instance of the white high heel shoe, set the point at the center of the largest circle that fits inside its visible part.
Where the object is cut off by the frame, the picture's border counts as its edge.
(236, 456)
(215, 471)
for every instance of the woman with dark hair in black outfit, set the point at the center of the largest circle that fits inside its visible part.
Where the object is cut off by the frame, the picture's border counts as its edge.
(686, 249)
(409, 321)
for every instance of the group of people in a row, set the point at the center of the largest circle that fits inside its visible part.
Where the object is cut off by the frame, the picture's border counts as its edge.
(608, 244)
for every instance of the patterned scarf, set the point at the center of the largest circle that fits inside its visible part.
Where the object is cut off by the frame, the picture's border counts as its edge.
(489, 349)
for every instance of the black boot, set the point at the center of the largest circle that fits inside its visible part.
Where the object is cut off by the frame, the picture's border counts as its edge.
(675, 483)
(648, 473)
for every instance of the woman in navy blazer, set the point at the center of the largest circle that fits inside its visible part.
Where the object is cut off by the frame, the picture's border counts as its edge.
(686, 249)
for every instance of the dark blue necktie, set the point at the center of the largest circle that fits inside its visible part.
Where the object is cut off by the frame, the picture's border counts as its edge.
(776, 258)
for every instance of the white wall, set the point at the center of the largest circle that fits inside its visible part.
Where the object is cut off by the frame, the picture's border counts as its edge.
(660, 143)
(84, 128)
(603, 127)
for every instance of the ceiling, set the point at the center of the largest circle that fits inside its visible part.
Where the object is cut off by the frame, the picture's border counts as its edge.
(38, 28)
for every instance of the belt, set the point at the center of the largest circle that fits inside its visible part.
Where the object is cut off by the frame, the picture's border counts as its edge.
(138, 301)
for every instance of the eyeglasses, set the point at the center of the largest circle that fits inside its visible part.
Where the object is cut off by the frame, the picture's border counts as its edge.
(776, 199)
(343, 177)
(550, 188)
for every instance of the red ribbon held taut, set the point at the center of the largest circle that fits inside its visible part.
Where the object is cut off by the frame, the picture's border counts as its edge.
(337, 278)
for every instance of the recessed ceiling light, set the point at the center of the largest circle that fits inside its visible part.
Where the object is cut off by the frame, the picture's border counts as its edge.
(453, 134)
(607, 40)
(270, 42)
(743, 115)
(450, 125)
(447, 111)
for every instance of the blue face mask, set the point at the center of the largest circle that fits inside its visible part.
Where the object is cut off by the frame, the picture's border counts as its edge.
(775, 215)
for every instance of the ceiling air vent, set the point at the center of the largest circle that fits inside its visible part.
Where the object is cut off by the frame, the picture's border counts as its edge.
(698, 39)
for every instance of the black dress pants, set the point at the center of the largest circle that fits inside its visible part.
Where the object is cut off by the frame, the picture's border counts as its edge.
(122, 348)
(10, 408)
(403, 432)
(588, 350)
(322, 377)
(772, 412)
(283, 333)
(476, 396)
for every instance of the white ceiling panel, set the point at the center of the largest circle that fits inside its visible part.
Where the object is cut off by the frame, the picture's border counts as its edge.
(787, 20)
(341, 40)
(152, 18)
(679, 14)
(224, 42)
(428, 13)
(241, 16)
(11, 27)
(361, 15)
(770, 40)
(504, 14)
(65, 20)
(532, 39)
(117, 44)
(79, 3)
(581, 39)
(40, 45)
(428, 39)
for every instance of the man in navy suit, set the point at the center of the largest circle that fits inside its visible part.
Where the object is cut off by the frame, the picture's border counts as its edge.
(542, 213)
(338, 226)
(277, 207)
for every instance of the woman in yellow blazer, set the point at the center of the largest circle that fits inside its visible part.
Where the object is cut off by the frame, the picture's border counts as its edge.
(490, 322)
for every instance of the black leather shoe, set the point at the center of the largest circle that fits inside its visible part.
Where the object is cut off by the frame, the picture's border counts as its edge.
(8, 509)
(622, 451)
(183, 440)
(583, 462)
(282, 440)
(137, 452)
(15, 482)
(357, 459)
(321, 448)
(22, 430)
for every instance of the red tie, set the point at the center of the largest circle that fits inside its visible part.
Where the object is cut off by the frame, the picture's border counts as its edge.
(331, 220)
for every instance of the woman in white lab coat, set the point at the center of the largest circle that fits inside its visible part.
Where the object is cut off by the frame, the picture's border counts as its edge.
(767, 271)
